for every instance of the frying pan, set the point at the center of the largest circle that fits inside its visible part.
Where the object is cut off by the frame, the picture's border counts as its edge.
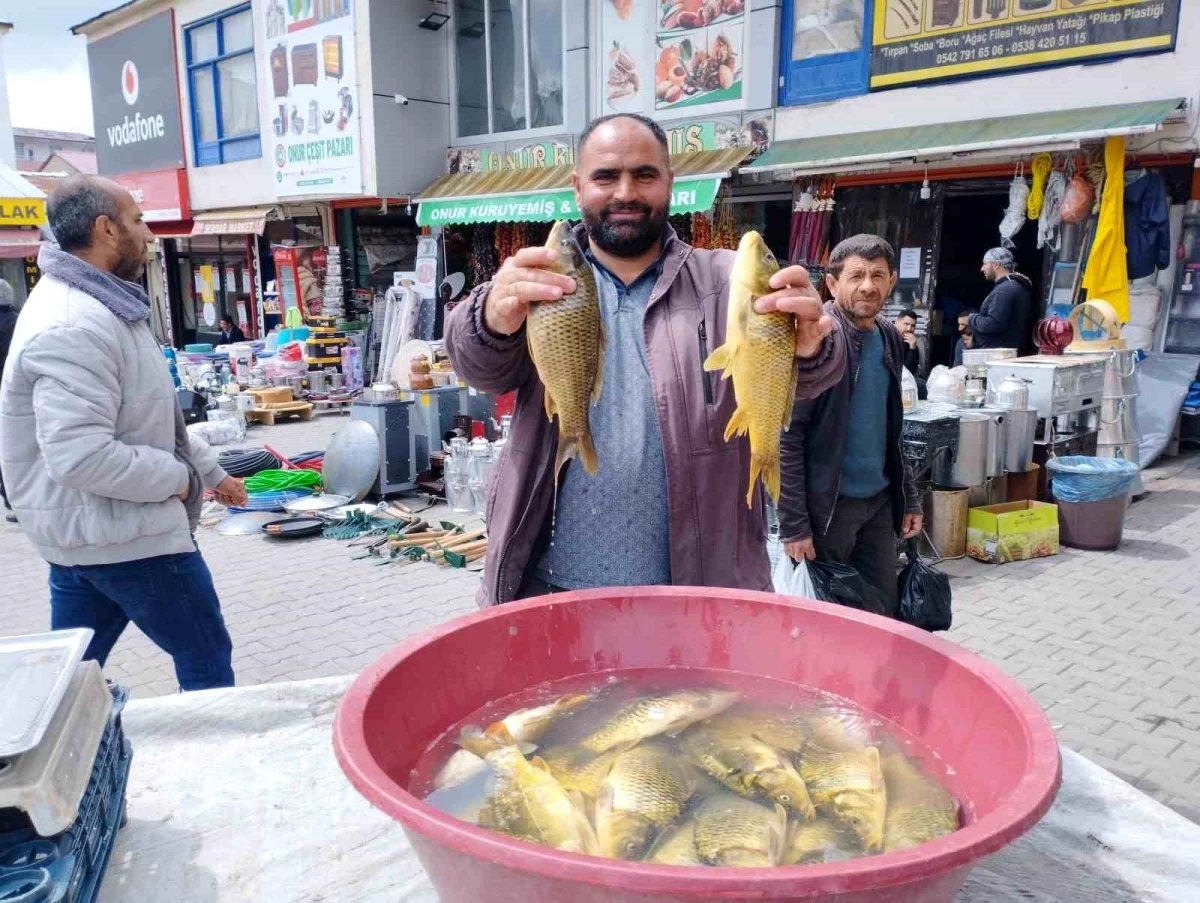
(293, 527)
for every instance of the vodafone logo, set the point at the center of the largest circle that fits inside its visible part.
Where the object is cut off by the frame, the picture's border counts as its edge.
(130, 82)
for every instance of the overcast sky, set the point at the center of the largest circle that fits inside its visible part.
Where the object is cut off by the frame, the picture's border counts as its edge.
(46, 65)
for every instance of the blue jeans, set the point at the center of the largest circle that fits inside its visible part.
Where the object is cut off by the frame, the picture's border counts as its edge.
(172, 600)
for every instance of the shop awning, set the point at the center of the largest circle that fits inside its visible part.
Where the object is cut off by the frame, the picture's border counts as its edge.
(244, 221)
(544, 194)
(914, 144)
(19, 243)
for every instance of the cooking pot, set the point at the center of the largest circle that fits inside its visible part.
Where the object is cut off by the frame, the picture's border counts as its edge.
(970, 464)
(1119, 375)
(995, 440)
(977, 359)
(317, 380)
(297, 384)
(336, 381)
(1012, 392)
(1020, 426)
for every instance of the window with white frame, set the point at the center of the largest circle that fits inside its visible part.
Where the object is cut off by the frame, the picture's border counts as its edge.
(222, 87)
(509, 65)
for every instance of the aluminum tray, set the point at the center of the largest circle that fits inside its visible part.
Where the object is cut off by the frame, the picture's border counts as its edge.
(35, 672)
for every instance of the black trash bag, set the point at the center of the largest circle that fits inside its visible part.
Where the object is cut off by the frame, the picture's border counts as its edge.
(924, 593)
(844, 585)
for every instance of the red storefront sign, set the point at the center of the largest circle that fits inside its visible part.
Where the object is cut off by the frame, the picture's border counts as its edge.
(162, 194)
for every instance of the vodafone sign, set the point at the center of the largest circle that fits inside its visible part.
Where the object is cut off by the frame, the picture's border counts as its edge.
(135, 98)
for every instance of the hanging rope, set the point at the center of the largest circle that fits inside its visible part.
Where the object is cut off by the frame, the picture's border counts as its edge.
(1042, 164)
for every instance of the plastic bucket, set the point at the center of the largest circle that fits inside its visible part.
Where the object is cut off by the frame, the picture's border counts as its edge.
(1095, 526)
(973, 716)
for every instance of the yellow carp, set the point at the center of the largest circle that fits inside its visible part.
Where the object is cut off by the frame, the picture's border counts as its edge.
(748, 766)
(848, 788)
(676, 846)
(919, 809)
(643, 794)
(651, 716)
(732, 831)
(818, 841)
(566, 342)
(760, 354)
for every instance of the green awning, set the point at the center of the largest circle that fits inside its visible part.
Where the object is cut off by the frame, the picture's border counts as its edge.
(1027, 132)
(537, 196)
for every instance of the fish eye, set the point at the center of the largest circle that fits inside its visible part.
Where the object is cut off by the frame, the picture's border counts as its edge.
(784, 798)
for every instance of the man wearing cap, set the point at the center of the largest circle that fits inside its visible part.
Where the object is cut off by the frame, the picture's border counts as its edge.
(1001, 321)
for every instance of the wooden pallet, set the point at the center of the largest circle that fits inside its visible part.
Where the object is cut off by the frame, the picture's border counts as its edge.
(273, 395)
(268, 415)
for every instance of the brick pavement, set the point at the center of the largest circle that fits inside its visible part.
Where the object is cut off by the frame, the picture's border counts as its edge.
(1107, 643)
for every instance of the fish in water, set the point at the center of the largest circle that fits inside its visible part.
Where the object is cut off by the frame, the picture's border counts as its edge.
(566, 342)
(760, 354)
(527, 802)
(528, 725)
(839, 729)
(919, 809)
(580, 769)
(734, 831)
(652, 716)
(748, 766)
(644, 793)
(676, 846)
(818, 841)
(785, 730)
(848, 788)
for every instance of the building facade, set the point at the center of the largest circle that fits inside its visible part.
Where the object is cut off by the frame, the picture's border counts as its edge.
(33, 147)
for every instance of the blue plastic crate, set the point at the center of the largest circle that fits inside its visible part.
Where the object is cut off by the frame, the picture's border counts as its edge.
(69, 867)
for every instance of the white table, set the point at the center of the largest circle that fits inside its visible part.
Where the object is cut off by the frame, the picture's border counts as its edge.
(235, 796)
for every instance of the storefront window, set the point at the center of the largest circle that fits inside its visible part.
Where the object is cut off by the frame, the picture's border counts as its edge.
(523, 40)
(214, 282)
(825, 50)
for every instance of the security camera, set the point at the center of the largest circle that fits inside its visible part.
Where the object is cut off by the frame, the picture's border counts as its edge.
(401, 100)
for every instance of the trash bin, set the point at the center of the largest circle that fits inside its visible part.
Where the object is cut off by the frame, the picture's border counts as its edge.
(1092, 495)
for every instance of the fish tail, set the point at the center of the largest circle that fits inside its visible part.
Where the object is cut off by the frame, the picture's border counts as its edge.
(477, 741)
(755, 470)
(498, 734)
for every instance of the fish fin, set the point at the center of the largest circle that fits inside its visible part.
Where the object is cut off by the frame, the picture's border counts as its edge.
(498, 734)
(587, 454)
(601, 340)
(739, 423)
(539, 763)
(527, 749)
(548, 403)
(770, 475)
(480, 742)
(573, 701)
(791, 398)
(567, 449)
(721, 359)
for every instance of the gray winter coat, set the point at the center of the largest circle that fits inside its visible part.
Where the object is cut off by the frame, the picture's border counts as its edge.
(93, 446)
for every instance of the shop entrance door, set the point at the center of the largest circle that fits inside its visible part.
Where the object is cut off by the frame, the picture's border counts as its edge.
(971, 216)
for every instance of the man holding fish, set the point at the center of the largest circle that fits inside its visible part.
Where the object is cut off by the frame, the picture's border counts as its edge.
(604, 334)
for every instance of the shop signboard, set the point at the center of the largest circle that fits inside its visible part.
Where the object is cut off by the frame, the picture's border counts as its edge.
(688, 196)
(915, 42)
(135, 98)
(667, 56)
(22, 211)
(720, 132)
(308, 67)
(162, 194)
(513, 155)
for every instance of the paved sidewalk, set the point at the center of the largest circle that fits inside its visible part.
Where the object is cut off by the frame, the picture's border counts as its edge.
(1108, 643)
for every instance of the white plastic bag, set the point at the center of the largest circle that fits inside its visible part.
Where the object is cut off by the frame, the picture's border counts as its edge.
(792, 579)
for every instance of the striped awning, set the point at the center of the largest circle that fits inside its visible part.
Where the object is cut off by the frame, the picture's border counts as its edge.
(544, 194)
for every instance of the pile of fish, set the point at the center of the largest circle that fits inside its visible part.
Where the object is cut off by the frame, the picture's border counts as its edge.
(697, 777)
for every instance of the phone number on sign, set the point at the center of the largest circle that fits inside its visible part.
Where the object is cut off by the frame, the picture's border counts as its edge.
(1014, 48)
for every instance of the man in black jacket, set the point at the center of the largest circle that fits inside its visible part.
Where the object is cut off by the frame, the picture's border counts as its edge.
(846, 490)
(1001, 320)
(906, 325)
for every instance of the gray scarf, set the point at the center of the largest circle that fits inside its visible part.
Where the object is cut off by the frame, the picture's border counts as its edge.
(125, 299)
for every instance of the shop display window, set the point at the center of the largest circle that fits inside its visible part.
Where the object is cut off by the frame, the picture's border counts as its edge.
(223, 87)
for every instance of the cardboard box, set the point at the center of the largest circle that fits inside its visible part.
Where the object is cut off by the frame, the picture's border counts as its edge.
(1014, 531)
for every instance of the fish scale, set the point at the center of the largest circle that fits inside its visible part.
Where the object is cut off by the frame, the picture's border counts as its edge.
(644, 793)
(919, 809)
(732, 831)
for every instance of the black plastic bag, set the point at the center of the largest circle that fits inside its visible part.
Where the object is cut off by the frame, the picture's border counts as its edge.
(924, 593)
(844, 585)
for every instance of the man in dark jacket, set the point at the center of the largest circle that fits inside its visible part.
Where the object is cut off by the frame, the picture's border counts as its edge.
(1001, 321)
(230, 333)
(847, 491)
(906, 325)
(667, 504)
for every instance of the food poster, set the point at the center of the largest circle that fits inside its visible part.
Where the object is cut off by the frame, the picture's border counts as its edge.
(922, 40)
(625, 55)
(308, 75)
(208, 294)
(698, 52)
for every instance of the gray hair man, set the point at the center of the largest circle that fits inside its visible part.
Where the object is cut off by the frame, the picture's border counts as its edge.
(1001, 321)
(97, 461)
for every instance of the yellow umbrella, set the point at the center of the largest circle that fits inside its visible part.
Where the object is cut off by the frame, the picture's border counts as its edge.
(1107, 276)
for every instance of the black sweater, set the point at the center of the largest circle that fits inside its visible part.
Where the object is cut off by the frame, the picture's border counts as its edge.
(1001, 322)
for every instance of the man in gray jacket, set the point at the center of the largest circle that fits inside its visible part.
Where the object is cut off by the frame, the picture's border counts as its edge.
(97, 461)
(668, 503)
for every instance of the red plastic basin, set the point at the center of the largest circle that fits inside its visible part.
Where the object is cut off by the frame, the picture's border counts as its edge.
(982, 724)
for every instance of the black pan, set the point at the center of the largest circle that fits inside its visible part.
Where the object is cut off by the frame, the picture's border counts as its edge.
(293, 527)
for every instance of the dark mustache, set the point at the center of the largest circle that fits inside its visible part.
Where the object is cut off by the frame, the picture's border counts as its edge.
(643, 209)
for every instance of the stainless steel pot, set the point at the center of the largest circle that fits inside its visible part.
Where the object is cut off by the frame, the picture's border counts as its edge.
(1119, 374)
(970, 465)
(977, 359)
(336, 381)
(1118, 421)
(995, 440)
(297, 384)
(1012, 392)
(280, 381)
(1020, 427)
(316, 381)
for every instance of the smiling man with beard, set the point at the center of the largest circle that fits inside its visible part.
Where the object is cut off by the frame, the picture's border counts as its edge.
(667, 504)
(846, 490)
